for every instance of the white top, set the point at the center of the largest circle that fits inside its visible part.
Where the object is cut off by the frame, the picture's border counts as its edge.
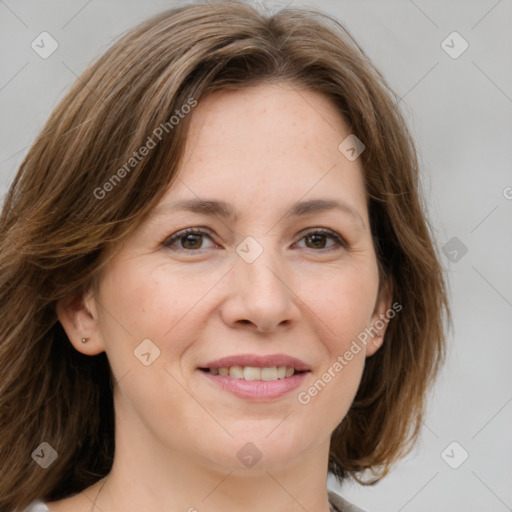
(337, 503)
(37, 506)
(340, 504)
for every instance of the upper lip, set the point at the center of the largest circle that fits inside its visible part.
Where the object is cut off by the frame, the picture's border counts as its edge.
(258, 361)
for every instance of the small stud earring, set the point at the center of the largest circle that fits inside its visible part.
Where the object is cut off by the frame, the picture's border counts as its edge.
(85, 340)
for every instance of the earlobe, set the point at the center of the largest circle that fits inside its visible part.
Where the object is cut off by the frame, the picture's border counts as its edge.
(78, 317)
(376, 342)
(380, 319)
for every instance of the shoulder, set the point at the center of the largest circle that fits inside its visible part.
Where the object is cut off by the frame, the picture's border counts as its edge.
(336, 500)
(75, 503)
(341, 504)
(79, 502)
(37, 506)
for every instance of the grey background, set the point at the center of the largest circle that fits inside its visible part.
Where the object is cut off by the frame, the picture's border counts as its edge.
(459, 111)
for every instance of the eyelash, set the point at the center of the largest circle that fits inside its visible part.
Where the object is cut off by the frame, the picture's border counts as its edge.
(339, 240)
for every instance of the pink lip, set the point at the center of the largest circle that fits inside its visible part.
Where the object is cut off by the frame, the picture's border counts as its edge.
(258, 362)
(257, 390)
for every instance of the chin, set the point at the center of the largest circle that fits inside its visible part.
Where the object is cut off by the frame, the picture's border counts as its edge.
(256, 450)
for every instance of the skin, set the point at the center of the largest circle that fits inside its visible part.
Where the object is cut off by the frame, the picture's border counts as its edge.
(177, 435)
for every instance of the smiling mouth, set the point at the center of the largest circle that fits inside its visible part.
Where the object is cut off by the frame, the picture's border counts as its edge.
(252, 373)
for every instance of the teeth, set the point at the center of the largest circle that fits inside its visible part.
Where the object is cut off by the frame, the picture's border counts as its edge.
(254, 373)
(269, 373)
(237, 372)
(281, 372)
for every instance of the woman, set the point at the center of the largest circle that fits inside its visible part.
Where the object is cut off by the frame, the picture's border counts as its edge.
(218, 283)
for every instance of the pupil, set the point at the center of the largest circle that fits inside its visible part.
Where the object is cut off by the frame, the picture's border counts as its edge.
(188, 239)
(316, 238)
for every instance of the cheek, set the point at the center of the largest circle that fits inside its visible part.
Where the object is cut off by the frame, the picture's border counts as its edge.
(329, 395)
(138, 303)
(345, 309)
(149, 301)
(343, 301)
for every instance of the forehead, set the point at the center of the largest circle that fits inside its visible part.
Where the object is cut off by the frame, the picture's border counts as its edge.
(268, 144)
(268, 118)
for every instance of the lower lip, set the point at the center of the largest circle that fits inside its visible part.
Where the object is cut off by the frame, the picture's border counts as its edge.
(257, 390)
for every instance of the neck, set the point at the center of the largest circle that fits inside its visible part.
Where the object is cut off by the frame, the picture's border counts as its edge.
(147, 476)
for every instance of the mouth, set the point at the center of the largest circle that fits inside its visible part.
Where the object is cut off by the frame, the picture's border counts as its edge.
(256, 378)
(251, 373)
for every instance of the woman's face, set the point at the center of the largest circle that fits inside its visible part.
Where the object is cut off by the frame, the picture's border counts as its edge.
(282, 278)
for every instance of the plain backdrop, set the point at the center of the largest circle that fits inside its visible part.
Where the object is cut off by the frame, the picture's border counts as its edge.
(459, 109)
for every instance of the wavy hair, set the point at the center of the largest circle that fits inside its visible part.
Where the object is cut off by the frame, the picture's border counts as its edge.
(55, 230)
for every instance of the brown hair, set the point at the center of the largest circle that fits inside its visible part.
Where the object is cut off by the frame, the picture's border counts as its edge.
(54, 231)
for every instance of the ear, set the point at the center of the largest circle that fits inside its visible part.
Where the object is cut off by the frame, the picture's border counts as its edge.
(79, 318)
(379, 320)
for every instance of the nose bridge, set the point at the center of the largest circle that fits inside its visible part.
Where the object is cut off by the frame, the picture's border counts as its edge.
(260, 266)
(261, 293)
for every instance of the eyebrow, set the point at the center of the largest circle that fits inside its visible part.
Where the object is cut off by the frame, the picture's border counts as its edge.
(224, 210)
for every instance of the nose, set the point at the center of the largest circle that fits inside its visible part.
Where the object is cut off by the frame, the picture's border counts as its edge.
(261, 295)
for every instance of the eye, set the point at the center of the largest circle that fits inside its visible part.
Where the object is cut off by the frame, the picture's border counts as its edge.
(317, 239)
(190, 239)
